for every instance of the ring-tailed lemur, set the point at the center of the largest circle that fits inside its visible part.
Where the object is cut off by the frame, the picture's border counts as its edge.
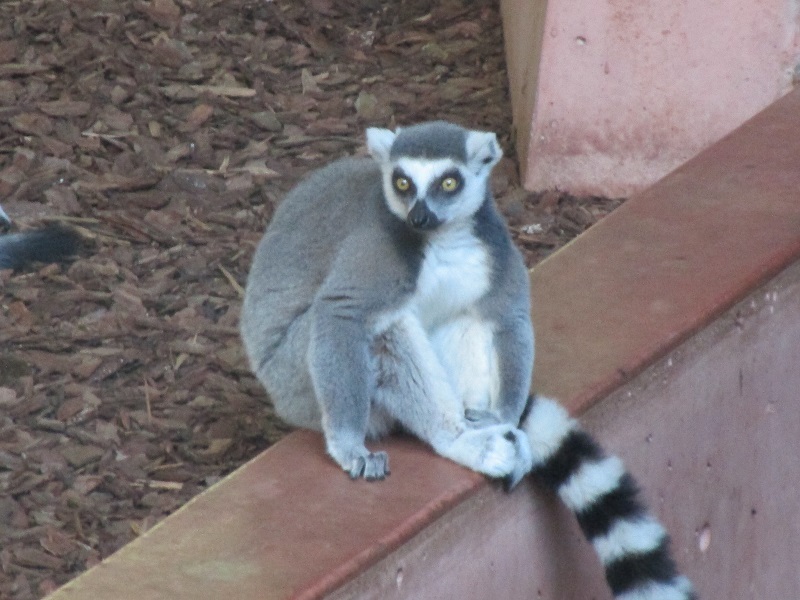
(387, 292)
(48, 244)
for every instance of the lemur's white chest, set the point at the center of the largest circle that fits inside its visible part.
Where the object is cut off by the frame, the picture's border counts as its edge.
(455, 274)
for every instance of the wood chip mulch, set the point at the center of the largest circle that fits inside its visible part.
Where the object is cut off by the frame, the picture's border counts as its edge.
(165, 131)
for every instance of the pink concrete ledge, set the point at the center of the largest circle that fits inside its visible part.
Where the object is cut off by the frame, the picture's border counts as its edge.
(668, 263)
(288, 524)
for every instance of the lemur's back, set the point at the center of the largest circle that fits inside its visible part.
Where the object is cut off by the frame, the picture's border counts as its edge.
(302, 240)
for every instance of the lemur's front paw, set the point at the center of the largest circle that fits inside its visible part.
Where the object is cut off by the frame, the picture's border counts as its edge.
(359, 462)
(354, 457)
(524, 462)
(495, 450)
(372, 466)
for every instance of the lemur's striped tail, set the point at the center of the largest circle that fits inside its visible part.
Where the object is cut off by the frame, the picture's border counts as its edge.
(632, 545)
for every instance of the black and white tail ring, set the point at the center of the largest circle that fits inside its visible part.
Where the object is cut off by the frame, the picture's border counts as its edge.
(633, 547)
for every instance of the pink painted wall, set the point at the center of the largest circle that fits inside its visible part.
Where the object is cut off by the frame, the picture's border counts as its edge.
(715, 424)
(611, 95)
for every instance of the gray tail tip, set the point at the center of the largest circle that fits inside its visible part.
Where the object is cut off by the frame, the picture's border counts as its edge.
(51, 243)
(64, 241)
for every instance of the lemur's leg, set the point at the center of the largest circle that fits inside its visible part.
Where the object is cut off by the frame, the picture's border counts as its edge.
(342, 376)
(417, 389)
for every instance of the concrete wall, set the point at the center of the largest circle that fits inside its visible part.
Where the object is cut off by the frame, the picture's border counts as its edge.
(713, 431)
(611, 95)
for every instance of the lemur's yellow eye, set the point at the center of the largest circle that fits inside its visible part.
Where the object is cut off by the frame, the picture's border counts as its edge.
(449, 184)
(402, 184)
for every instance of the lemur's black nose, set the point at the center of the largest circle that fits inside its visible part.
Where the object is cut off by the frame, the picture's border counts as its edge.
(421, 217)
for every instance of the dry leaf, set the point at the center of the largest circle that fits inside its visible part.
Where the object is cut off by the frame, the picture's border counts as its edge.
(199, 115)
(162, 12)
(256, 167)
(65, 108)
(308, 82)
(225, 90)
(32, 124)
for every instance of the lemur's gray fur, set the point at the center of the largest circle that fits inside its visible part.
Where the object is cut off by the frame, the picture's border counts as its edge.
(387, 292)
(365, 302)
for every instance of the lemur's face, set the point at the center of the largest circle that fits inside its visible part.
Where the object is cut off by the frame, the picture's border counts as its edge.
(429, 193)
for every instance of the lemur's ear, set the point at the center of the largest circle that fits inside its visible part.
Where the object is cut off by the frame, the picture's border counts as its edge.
(483, 151)
(379, 143)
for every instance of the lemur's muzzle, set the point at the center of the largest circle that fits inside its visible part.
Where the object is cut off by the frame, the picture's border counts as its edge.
(421, 217)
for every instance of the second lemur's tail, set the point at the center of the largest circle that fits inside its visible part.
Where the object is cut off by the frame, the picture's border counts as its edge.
(50, 244)
(631, 544)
